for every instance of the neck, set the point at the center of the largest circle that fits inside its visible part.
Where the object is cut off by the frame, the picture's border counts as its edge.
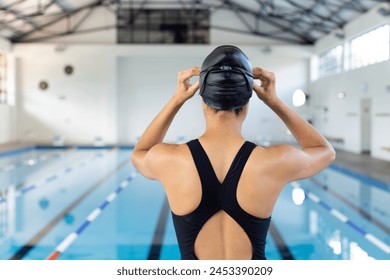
(223, 126)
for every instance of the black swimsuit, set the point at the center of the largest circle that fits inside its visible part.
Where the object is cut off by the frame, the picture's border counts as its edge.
(217, 197)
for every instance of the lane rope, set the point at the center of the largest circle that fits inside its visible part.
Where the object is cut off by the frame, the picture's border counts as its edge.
(344, 219)
(93, 215)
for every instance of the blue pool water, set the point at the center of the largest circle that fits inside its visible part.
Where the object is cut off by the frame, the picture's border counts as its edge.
(91, 204)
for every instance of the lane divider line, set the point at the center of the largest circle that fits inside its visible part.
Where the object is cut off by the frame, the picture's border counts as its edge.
(343, 218)
(34, 240)
(376, 221)
(283, 248)
(68, 241)
(159, 232)
(339, 215)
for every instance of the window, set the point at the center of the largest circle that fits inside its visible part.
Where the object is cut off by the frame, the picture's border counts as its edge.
(331, 61)
(3, 78)
(369, 48)
(172, 26)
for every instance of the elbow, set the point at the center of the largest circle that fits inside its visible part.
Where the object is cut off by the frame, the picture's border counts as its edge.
(135, 160)
(140, 164)
(331, 154)
(132, 160)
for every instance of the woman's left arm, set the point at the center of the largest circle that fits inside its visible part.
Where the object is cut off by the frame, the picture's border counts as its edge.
(147, 152)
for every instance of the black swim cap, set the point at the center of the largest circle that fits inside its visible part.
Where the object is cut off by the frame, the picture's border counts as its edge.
(226, 78)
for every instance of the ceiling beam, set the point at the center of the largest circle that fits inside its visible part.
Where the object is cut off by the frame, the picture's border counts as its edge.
(284, 22)
(18, 15)
(61, 5)
(63, 16)
(256, 33)
(14, 3)
(271, 19)
(67, 33)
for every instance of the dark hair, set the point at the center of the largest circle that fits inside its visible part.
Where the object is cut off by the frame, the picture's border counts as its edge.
(236, 111)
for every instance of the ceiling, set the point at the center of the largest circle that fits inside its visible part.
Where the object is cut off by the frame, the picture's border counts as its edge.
(287, 21)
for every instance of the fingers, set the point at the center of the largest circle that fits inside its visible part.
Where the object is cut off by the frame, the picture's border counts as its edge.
(187, 74)
(257, 72)
(263, 75)
(185, 90)
(194, 87)
(256, 87)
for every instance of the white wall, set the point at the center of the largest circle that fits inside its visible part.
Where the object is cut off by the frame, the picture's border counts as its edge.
(6, 112)
(78, 107)
(111, 85)
(5, 45)
(5, 124)
(145, 84)
(291, 67)
(343, 119)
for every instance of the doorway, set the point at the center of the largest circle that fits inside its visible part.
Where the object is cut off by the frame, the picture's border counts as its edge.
(365, 126)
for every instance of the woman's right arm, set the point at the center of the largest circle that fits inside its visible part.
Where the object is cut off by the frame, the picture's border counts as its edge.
(315, 154)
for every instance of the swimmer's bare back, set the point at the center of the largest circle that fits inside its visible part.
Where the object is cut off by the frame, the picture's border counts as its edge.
(221, 237)
(266, 172)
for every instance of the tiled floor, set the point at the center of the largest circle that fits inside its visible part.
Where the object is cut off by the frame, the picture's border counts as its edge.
(12, 146)
(365, 165)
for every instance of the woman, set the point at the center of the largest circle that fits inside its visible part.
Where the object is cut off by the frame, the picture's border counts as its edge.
(220, 187)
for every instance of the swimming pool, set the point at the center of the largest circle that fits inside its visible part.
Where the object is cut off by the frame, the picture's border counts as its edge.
(79, 203)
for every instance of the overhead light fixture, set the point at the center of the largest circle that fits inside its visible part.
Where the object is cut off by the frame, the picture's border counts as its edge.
(299, 98)
(341, 95)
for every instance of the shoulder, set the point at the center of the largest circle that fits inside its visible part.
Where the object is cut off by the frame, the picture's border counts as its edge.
(277, 152)
(152, 163)
(164, 151)
(162, 157)
(163, 148)
(279, 161)
(155, 161)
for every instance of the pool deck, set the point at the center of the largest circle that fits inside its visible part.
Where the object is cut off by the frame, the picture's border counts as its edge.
(12, 146)
(365, 165)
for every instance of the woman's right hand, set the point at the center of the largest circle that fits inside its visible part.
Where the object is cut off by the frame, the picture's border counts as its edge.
(266, 91)
(184, 89)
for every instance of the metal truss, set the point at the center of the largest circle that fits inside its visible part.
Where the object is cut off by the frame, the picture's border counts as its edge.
(287, 21)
